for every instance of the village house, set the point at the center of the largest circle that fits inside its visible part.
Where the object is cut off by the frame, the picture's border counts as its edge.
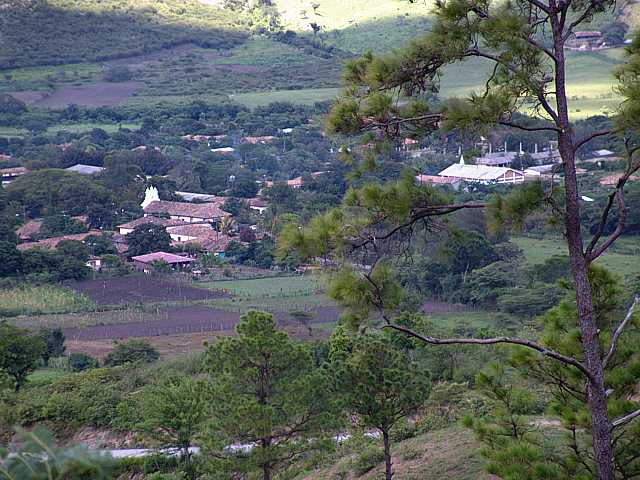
(147, 263)
(10, 174)
(256, 140)
(29, 230)
(52, 243)
(258, 204)
(127, 228)
(187, 212)
(482, 173)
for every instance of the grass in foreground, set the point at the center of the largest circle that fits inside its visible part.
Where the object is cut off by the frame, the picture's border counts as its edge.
(451, 453)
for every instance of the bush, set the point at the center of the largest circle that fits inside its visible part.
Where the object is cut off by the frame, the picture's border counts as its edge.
(368, 459)
(131, 351)
(118, 74)
(82, 361)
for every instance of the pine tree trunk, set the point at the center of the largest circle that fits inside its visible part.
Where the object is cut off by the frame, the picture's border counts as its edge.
(601, 426)
(387, 455)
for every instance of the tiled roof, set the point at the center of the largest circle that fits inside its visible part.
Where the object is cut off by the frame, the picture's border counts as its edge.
(29, 229)
(166, 222)
(49, 243)
(170, 258)
(613, 179)
(192, 230)
(185, 209)
(435, 179)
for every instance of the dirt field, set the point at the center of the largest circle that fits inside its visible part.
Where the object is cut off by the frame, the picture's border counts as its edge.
(443, 307)
(178, 345)
(95, 95)
(139, 289)
(189, 320)
(28, 96)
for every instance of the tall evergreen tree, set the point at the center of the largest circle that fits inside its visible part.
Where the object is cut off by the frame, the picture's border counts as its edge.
(524, 42)
(271, 401)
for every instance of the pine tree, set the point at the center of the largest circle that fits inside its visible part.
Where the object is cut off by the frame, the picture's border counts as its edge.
(387, 97)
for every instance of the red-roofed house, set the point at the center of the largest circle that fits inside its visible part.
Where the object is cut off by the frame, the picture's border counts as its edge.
(51, 243)
(146, 262)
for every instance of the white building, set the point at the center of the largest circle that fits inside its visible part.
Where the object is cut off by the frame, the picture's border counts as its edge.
(482, 173)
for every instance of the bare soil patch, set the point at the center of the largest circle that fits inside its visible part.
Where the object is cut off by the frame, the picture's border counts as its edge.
(235, 68)
(28, 96)
(138, 289)
(194, 319)
(178, 345)
(94, 95)
(435, 307)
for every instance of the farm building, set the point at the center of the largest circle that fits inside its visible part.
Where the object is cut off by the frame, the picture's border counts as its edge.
(10, 174)
(506, 158)
(145, 263)
(586, 40)
(482, 173)
(85, 169)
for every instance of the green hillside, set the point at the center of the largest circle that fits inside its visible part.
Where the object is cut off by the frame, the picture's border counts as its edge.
(177, 51)
(55, 32)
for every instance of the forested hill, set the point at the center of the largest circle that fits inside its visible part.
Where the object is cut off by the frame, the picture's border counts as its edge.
(53, 32)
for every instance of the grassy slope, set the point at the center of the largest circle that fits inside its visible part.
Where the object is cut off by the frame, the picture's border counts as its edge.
(537, 251)
(446, 454)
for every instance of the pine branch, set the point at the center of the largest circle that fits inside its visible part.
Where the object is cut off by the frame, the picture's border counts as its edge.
(618, 333)
(588, 138)
(626, 419)
(567, 360)
(432, 211)
(526, 128)
(617, 194)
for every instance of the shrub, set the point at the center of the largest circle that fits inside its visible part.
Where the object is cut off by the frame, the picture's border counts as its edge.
(118, 74)
(368, 459)
(131, 351)
(82, 361)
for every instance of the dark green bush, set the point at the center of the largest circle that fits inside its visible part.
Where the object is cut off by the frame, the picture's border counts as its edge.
(131, 351)
(368, 459)
(82, 361)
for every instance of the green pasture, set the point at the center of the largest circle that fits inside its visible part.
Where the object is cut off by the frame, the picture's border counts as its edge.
(269, 287)
(305, 96)
(538, 250)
